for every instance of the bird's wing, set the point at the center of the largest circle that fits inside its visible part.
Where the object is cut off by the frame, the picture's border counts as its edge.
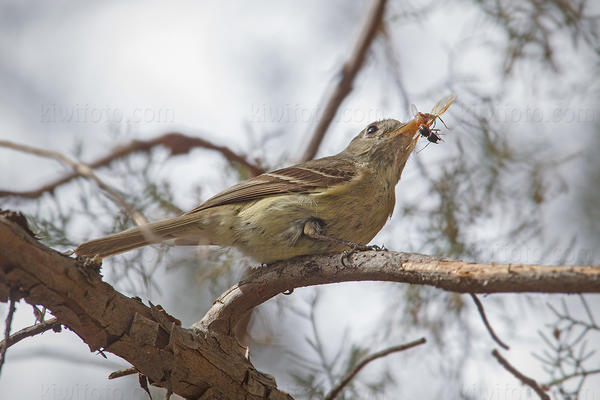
(302, 178)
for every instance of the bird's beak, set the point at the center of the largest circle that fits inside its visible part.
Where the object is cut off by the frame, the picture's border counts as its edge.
(409, 129)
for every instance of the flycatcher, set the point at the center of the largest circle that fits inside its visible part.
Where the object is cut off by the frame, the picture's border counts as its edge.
(319, 206)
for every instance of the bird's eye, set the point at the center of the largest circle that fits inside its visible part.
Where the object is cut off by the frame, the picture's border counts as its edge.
(371, 129)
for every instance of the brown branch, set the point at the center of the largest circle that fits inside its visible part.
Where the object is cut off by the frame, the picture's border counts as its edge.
(349, 72)
(486, 322)
(349, 376)
(51, 324)
(177, 143)
(209, 360)
(8, 323)
(83, 170)
(456, 276)
(524, 379)
(192, 364)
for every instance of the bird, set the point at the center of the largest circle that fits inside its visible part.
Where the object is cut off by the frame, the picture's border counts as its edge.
(326, 205)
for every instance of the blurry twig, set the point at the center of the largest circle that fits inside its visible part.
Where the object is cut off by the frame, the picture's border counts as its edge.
(177, 143)
(349, 72)
(566, 356)
(486, 322)
(524, 379)
(531, 27)
(340, 386)
(565, 315)
(82, 170)
(565, 378)
(33, 330)
(8, 323)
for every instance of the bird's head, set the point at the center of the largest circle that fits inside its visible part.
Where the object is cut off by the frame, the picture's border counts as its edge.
(384, 144)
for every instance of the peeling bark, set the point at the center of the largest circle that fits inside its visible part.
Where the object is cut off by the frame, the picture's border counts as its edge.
(195, 364)
(208, 362)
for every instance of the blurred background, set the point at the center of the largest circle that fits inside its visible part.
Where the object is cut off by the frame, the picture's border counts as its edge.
(517, 178)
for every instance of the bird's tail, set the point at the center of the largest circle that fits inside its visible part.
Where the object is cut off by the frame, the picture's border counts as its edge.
(179, 227)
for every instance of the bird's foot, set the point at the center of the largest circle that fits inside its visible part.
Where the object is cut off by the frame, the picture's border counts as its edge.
(355, 247)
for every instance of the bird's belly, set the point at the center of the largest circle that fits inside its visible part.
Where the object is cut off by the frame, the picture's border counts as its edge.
(271, 229)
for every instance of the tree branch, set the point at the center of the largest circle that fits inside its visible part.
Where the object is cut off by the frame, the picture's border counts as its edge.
(565, 378)
(350, 375)
(82, 170)
(456, 276)
(177, 143)
(199, 365)
(209, 362)
(8, 323)
(489, 328)
(349, 72)
(30, 331)
(517, 374)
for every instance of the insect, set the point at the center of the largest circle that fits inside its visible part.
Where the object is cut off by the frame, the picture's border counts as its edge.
(431, 134)
(426, 121)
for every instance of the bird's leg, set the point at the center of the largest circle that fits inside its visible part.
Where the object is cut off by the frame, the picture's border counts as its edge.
(313, 228)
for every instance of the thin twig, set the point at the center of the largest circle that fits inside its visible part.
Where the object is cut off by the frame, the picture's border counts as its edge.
(177, 143)
(524, 379)
(349, 72)
(9, 318)
(486, 322)
(587, 310)
(123, 372)
(562, 379)
(349, 376)
(30, 331)
(83, 170)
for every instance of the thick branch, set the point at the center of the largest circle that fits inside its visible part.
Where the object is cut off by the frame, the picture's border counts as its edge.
(199, 365)
(349, 72)
(210, 363)
(456, 276)
(177, 143)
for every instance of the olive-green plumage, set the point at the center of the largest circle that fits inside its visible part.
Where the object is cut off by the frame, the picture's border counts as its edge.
(348, 196)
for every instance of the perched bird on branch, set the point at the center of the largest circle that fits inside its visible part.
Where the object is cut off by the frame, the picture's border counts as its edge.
(319, 206)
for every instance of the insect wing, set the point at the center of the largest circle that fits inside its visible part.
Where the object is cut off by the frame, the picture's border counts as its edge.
(413, 110)
(442, 105)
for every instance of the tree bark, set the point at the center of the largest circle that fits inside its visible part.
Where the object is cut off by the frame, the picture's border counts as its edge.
(390, 266)
(208, 363)
(194, 364)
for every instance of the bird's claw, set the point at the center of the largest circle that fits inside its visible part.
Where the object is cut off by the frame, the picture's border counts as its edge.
(346, 254)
